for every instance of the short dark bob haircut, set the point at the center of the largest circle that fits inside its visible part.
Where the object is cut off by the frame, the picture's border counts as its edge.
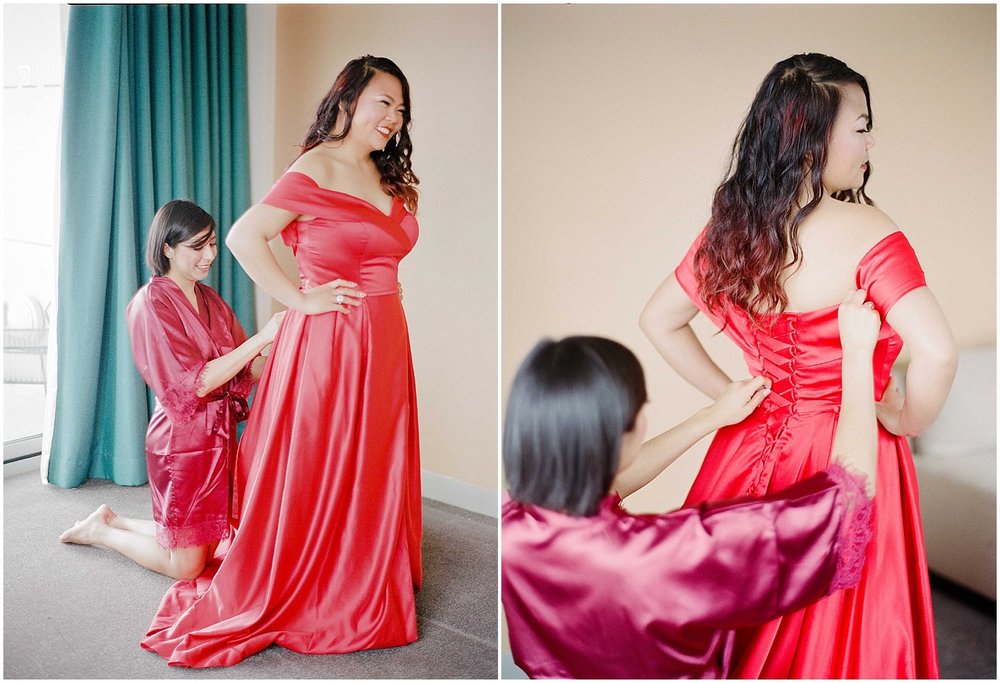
(569, 406)
(177, 221)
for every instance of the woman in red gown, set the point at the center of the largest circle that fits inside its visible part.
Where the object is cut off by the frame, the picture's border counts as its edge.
(192, 352)
(326, 557)
(791, 228)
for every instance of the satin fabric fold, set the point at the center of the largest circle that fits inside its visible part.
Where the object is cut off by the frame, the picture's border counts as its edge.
(884, 627)
(326, 557)
(616, 595)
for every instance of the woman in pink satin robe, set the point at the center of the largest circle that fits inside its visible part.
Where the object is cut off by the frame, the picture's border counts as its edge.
(192, 352)
(591, 591)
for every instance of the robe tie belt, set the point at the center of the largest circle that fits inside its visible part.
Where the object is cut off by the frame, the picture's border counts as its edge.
(232, 409)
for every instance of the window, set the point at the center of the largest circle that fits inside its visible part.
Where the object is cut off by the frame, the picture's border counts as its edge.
(34, 49)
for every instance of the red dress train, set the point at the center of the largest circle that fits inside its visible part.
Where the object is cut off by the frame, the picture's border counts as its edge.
(884, 627)
(326, 558)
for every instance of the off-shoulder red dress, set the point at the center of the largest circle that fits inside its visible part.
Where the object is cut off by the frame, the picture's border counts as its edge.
(884, 627)
(326, 557)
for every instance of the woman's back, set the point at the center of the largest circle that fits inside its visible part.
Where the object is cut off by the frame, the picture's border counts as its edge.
(789, 437)
(834, 239)
(804, 146)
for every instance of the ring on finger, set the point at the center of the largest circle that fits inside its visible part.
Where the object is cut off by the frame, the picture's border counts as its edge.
(340, 298)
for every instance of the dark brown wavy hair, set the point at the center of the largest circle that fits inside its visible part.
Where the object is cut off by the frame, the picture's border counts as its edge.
(781, 146)
(393, 162)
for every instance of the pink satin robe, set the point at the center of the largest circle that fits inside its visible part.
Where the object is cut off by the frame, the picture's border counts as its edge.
(617, 595)
(191, 441)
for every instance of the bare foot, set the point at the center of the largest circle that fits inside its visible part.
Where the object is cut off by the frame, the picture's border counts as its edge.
(88, 531)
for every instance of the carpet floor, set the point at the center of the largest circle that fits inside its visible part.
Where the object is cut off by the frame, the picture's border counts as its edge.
(80, 612)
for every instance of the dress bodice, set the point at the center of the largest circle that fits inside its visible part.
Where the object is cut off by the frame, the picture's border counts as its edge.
(883, 628)
(348, 237)
(800, 352)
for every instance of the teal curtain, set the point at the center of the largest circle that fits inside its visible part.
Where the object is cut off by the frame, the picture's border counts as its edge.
(155, 109)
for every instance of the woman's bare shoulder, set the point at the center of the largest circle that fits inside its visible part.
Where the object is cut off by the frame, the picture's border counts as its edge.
(863, 225)
(316, 164)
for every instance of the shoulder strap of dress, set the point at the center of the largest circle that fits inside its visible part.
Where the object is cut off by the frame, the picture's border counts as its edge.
(297, 192)
(889, 270)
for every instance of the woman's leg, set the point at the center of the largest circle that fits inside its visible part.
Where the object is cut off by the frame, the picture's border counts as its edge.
(137, 545)
(139, 526)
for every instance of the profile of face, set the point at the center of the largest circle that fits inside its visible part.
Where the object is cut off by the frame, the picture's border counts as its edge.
(378, 112)
(192, 259)
(849, 143)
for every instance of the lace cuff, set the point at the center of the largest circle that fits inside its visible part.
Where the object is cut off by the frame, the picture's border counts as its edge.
(242, 383)
(855, 529)
(181, 400)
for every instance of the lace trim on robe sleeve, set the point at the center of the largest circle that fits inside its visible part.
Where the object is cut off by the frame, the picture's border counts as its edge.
(855, 529)
(242, 383)
(181, 400)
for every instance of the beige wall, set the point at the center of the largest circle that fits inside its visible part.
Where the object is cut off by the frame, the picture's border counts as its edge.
(617, 124)
(449, 56)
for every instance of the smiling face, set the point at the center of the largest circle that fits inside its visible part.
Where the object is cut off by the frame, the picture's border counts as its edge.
(191, 260)
(378, 112)
(850, 141)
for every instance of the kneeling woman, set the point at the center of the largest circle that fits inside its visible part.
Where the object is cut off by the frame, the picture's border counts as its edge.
(192, 352)
(591, 591)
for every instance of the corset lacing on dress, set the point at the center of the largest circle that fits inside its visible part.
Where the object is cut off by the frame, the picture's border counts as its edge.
(778, 359)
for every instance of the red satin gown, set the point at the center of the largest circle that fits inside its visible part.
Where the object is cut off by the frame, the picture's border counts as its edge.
(884, 628)
(326, 558)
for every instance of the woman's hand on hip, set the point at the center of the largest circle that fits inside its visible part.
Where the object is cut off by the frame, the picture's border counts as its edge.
(889, 409)
(337, 295)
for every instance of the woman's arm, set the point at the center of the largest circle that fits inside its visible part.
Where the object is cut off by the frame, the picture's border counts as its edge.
(919, 320)
(220, 370)
(737, 401)
(665, 321)
(855, 443)
(248, 240)
(257, 368)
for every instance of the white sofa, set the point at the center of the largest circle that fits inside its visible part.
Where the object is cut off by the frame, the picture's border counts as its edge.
(956, 462)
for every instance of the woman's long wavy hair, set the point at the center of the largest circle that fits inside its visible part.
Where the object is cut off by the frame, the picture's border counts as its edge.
(393, 162)
(780, 149)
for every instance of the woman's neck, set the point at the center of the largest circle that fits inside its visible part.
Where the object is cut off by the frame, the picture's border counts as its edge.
(187, 286)
(349, 153)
